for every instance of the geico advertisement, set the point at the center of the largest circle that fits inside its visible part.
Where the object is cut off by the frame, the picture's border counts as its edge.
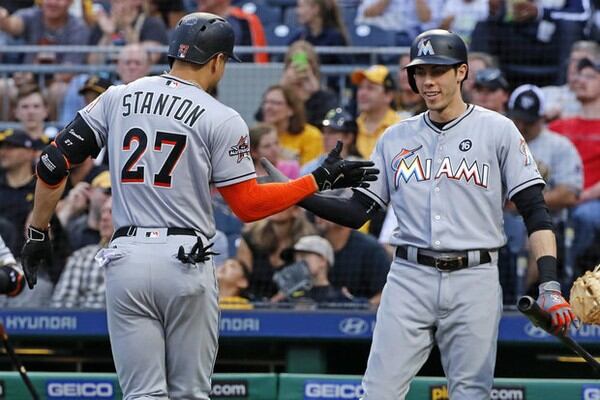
(440, 392)
(92, 389)
(590, 392)
(229, 389)
(329, 389)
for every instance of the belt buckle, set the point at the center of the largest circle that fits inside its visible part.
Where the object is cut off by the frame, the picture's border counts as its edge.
(442, 263)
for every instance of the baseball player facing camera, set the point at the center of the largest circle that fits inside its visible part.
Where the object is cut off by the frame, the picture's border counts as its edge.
(447, 173)
(168, 140)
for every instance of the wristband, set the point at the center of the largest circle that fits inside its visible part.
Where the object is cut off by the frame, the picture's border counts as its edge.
(547, 268)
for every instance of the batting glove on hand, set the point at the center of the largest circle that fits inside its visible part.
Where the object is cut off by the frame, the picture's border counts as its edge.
(37, 250)
(552, 301)
(335, 172)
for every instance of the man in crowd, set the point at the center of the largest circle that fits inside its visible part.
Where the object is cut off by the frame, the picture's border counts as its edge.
(374, 98)
(584, 132)
(491, 90)
(81, 283)
(17, 179)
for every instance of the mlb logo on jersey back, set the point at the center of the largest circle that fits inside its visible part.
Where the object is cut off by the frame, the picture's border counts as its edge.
(152, 234)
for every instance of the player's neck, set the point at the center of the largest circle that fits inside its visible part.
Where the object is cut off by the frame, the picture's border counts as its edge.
(193, 76)
(452, 111)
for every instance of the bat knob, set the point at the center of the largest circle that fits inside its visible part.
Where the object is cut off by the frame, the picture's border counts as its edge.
(525, 303)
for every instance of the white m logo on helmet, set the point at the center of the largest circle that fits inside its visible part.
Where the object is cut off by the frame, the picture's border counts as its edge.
(425, 48)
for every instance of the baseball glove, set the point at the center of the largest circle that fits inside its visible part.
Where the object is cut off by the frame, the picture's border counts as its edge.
(585, 297)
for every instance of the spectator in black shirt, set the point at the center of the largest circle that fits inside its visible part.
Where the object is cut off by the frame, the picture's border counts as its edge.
(17, 179)
(361, 263)
(322, 26)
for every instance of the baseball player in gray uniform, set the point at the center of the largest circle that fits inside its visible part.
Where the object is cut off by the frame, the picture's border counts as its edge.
(447, 173)
(168, 140)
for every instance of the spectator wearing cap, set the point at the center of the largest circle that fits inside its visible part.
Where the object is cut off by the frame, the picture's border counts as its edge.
(82, 90)
(491, 90)
(477, 62)
(316, 254)
(557, 159)
(584, 131)
(337, 125)
(81, 283)
(80, 210)
(233, 277)
(93, 87)
(360, 263)
(18, 152)
(374, 97)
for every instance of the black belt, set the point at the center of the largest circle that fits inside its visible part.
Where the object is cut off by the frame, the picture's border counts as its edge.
(444, 262)
(131, 231)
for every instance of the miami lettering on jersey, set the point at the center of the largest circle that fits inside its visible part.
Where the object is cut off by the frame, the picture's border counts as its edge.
(405, 169)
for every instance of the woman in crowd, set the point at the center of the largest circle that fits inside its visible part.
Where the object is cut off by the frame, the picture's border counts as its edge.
(282, 108)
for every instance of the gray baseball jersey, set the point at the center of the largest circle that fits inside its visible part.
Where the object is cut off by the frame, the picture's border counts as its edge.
(447, 188)
(168, 139)
(436, 179)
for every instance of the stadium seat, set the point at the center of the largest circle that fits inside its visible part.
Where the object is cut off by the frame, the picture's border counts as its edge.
(282, 3)
(278, 34)
(266, 13)
(290, 18)
(369, 35)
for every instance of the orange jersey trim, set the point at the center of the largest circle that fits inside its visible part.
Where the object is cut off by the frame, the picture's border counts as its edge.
(251, 201)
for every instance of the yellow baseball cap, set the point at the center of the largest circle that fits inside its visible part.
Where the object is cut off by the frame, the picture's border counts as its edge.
(101, 181)
(378, 74)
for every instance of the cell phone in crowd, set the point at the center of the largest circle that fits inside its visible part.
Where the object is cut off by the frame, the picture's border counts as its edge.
(300, 60)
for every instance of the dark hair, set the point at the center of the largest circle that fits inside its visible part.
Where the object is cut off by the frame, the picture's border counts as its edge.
(331, 15)
(298, 119)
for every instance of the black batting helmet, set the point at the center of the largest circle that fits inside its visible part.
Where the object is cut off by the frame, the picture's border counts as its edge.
(198, 37)
(435, 46)
(340, 120)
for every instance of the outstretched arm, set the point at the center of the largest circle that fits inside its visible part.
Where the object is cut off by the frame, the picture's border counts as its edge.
(352, 212)
(251, 201)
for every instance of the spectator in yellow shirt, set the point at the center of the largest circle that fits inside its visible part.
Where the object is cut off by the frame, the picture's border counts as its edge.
(233, 277)
(374, 98)
(282, 108)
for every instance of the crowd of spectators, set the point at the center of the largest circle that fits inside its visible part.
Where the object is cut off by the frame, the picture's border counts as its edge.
(294, 257)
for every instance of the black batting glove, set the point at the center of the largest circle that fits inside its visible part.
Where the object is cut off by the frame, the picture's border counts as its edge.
(37, 250)
(335, 172)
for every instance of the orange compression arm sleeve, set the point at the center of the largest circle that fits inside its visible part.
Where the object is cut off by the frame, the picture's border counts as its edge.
(251, 201)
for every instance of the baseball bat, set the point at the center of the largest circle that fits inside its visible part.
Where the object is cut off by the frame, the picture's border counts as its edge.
(541, 318)
(17, 363)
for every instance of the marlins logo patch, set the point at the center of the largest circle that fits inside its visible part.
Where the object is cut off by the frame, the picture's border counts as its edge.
(183, 49)
(524, 149)
(241, 150)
